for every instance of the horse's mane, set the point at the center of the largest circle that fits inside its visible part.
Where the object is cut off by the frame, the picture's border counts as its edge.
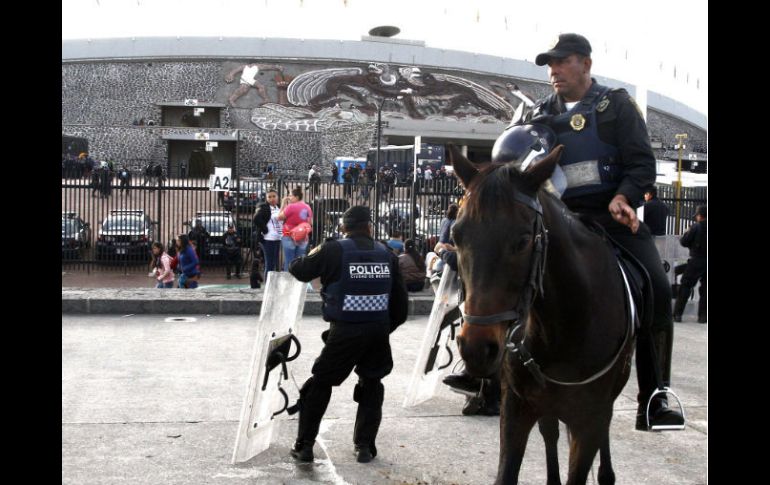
(492, 190)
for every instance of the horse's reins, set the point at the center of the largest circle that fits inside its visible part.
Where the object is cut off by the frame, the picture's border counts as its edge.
(521, 310)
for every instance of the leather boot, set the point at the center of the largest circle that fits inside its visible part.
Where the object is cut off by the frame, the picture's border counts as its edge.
(369, 394)
(660, 414)
(303, 451)
(463, 382)
(681, 302)
(491, 394)
(313, 401)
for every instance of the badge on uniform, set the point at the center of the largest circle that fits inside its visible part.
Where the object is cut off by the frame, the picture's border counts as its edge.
(603, 105)
(577, 122)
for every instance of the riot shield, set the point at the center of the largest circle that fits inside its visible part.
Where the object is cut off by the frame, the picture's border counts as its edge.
(671, 253)
(436, 352)
(282, 305)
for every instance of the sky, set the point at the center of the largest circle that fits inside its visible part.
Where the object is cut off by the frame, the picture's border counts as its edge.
(660, 44)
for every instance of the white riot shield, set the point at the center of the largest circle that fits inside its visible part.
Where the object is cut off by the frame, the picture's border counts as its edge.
(435, 355)
(671, 252)
(282, 306)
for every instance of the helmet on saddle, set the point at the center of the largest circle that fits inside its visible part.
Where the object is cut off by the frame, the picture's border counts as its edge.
(523, 144)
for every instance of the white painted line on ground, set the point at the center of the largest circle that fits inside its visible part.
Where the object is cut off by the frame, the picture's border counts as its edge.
(335, 478)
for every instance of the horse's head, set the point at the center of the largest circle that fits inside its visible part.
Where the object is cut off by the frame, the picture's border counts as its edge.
(497, 232)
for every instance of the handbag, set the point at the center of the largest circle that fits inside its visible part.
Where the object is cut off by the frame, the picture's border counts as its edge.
(300, 232)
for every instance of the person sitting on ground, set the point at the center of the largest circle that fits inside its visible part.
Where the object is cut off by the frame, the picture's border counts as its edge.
(412, 267)
(395, 242)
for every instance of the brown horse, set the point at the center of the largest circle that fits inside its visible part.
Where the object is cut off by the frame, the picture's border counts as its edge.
(544, 298)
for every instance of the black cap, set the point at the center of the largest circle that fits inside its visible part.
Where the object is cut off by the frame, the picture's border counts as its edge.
(356, 215)
(566, 45)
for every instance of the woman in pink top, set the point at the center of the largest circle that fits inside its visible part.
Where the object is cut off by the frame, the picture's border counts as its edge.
(162, 263)
(293, 212)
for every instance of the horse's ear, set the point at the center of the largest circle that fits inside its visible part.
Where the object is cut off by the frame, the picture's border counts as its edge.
(463, 167)
(537, 173)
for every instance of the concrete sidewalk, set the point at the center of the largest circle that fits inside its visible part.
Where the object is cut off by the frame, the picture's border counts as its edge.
(155, 401)
(231, 299)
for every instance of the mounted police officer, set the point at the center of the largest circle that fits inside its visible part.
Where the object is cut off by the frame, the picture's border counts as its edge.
(605, 167)
(364, 299)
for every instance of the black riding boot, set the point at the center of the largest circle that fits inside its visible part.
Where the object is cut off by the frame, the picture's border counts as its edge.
(660, 414)
(369, 394)
(491, 394)
(681, 302)
(365, 432)
(463, 382)
(312, 405)
(702, 302)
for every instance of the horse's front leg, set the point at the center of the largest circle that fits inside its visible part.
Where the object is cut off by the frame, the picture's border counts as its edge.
(516, 421)
(606, 474)
(586, 436)
(549, 428)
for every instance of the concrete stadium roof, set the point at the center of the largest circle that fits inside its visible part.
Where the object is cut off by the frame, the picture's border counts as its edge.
(369, 49)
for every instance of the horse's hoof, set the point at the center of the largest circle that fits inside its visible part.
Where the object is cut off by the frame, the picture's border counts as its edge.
(607, 478)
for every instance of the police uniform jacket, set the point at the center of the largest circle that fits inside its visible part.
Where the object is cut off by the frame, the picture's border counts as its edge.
(326, 261)
(695, 238)
(619, 124)
(655, 214)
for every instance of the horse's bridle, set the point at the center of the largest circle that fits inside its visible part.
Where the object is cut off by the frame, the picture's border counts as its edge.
(520, 312)
(534, 281)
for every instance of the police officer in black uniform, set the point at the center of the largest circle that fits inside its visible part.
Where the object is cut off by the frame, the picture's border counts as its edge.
(695, 238)
(607, 163)
(364, 299)
(655, 212)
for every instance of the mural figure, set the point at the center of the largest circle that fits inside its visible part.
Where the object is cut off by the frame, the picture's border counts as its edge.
(452, 92)
(323, 88)
(282, 84)
(249, 79)
(431, 93)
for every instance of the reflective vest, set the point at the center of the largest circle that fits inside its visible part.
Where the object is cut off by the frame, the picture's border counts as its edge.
(362, 293)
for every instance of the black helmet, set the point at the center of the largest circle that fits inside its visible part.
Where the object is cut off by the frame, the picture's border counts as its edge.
(523, 144)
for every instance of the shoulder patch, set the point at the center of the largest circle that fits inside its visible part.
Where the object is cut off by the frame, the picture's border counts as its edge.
(315, 250)
(603, 104)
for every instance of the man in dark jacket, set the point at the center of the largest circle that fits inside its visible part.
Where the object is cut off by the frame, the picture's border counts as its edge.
(199, 235)
(364, 299)
(655, 212)
(232, 248)
(695, 239)
(125, 180)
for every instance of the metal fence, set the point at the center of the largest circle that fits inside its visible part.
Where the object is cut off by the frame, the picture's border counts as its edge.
(691, 198)
(110, 223)
(159, 209)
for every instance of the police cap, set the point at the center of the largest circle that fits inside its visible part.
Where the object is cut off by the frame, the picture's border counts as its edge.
(566, 45)
(358, 214)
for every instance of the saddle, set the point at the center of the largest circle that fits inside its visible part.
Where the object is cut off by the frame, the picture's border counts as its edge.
(639, 283)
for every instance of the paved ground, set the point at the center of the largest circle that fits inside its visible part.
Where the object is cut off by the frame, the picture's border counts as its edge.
(145, 400)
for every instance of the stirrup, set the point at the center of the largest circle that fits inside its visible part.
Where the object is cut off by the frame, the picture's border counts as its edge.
(665, 427)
